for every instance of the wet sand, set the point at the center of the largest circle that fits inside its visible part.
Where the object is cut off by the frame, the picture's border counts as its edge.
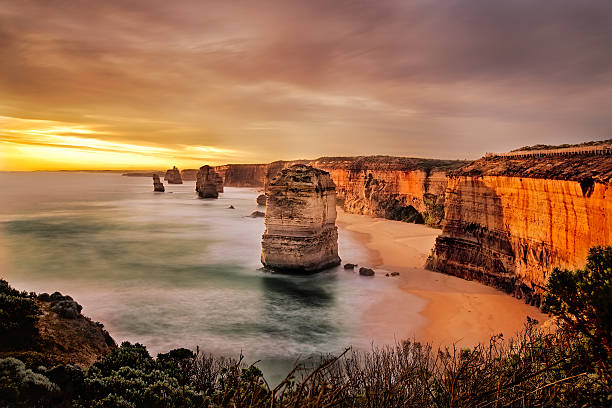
(450, 310)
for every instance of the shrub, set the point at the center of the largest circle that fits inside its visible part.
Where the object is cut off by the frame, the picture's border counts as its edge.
(19, 313)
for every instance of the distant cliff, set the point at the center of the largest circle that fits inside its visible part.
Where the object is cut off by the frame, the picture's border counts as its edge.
(399, 188)
(510, 221)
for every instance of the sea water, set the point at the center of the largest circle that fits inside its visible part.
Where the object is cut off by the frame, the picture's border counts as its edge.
(171, 270)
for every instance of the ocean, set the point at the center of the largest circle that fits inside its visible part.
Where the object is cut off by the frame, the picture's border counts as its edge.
(171, 270)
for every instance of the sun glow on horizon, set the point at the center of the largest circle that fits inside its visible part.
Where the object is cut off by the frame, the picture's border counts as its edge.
(48, 145)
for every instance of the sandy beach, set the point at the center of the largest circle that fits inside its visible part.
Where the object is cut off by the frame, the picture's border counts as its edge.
(451, 310)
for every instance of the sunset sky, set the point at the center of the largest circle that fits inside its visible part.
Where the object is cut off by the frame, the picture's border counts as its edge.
(152, 83)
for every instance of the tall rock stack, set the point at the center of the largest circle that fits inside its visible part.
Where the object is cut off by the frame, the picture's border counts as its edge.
(173, 176)
(301, 233)
(206, 183)
(157, 184)
(219, 181)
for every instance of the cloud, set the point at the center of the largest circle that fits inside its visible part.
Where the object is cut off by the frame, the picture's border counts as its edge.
(284, 79)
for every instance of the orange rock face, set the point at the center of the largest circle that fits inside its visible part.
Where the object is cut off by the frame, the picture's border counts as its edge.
(512, 231)
(397, 188)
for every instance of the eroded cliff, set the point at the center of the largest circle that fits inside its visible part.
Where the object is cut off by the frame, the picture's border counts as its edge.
(399, 188)
(509, 222)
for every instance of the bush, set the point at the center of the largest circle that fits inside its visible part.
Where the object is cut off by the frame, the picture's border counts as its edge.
(19, 314)
(22, 387)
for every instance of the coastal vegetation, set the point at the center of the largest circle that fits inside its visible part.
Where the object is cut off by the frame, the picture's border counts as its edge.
(564, 364)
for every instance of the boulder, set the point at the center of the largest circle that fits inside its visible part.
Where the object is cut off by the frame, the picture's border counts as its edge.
(349, 266)
(157, 184)
(231, 207)
(173, 176)
(366, 271)
(257, 214)
(301, 233)
(261, 199)
(394, 273)
(206, 183)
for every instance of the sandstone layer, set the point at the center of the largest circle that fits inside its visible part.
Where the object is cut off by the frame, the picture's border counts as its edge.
(157, 184)
(509, 222)
(173, 176)
(301, 233)
(398, 188)
(206, 183)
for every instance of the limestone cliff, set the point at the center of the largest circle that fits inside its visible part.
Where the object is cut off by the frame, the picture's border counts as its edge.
(510, 221)
(173, 176)
(398, 188)
(206, 183)
(219, 182)
(189, 174)
(301, 232)
(243, 175)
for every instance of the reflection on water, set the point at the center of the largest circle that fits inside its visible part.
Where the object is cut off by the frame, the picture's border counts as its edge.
(171, 270)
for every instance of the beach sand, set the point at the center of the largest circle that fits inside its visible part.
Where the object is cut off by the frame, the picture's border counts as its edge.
(451, 310)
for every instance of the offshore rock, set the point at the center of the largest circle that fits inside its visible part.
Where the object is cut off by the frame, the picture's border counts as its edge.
(257, 214)
(173, 176)
(157, 184)
(206, 183)
(366, 271)
(261, 199)
(301, 233)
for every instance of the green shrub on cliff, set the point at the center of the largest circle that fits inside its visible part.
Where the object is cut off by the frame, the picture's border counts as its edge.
(18, 316)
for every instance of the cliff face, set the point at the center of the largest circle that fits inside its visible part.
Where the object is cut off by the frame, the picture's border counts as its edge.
(509, 222)
(301, 232)
(189, 174)
(397, 188)
(243, 175)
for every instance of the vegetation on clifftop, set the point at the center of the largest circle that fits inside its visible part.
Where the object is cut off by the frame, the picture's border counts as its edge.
(568, 366)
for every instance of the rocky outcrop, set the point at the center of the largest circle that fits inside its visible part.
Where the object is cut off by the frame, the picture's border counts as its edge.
(189, 174)
(173, 176)
(399, 188)
(219, 182)
(206, 183)
(510, 221)
(301, 233)
(157, 184)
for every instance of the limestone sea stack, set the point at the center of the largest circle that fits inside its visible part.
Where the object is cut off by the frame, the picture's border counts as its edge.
(206, 183)
(219, 181)
(301, 233)
(173, 176)
(157, 184)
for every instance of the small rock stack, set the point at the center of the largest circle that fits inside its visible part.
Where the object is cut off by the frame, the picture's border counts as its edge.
(157, 184)
(206, 183)
(301, 233)
(173, 176)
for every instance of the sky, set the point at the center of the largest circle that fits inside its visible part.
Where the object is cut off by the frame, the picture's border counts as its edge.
(149, 84)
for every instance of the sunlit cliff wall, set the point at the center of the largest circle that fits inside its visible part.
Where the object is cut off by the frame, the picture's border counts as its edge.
(397, 188)
(509, 222)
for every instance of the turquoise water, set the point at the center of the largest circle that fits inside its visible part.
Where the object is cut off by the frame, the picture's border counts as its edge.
(171, 270)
